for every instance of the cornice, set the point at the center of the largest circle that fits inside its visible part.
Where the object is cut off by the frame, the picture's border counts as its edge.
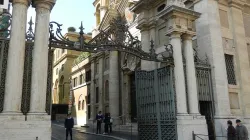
(176, 9)
(145, 5)
(95, 2)
(236, 4)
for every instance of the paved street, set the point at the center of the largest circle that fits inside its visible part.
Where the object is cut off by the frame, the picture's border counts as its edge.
(58, 133)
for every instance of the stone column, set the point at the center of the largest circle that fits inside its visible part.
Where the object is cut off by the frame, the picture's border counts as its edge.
(114, 86)
(101, 83)
(40, 56)
(191, 76)
(179, 73)
(92, 91)
(15, 67)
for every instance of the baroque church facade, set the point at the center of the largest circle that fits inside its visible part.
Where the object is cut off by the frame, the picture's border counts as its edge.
(219, 31)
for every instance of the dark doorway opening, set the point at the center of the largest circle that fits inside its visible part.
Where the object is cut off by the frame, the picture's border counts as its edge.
(133, 98)
(206, 109)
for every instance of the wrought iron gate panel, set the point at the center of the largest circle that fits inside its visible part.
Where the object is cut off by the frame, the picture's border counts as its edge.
(4, 47)
(204, 83)
(156, 104)
(26, 92)
(49, 81)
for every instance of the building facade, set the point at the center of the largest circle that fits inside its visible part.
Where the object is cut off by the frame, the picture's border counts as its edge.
(218, 30)
(63, 62)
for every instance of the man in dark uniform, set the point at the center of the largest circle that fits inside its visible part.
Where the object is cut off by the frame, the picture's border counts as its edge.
(69, 124)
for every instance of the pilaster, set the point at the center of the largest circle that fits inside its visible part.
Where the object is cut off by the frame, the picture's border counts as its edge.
(101, 83)
(114, 86)
(92, 92)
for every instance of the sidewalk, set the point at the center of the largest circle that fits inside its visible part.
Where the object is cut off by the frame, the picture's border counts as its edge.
(118, 135)
(114, 134)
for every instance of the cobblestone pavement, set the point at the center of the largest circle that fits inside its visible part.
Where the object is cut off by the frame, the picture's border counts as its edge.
(58, 133)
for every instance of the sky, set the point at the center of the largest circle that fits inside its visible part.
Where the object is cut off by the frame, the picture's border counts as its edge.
(71, 13)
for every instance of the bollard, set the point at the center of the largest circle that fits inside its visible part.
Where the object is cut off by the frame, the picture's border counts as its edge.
(36, 138)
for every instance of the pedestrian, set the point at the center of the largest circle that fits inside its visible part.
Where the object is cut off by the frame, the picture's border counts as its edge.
(111, 123)
(241, 131)
(69, 124)
(231, 132)
(106, 123)
(99, 119)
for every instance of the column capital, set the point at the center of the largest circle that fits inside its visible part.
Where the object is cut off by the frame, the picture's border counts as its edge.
(47, 4)
(187, 36)
(175, 35)
(25, 2)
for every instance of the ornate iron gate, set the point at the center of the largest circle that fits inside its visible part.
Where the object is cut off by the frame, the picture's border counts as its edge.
(156, 105)
(205, 93)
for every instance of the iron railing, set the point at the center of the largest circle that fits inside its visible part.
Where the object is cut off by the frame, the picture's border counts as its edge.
(204, 137)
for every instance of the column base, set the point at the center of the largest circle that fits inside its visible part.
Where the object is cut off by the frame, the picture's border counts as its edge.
(187, 124)
(14, 127)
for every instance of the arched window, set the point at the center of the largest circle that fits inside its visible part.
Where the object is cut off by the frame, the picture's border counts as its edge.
(62, 67)
(80, 103)
(107, 90)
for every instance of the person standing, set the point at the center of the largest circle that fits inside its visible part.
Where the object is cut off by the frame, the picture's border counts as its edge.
(241, 131)
(231, 132)
(111, 123)
(69, 124)
(99, 119)
(106, 123)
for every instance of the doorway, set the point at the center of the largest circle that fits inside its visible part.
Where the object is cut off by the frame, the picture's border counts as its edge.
(133, 98)
(206, 109)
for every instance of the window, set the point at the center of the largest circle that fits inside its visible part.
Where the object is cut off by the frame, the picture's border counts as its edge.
(88, 93)
(246, 19)
(106, 65)
(230, 69)
(89, 111)
(56, 71)
(223, 18)
(63, 50)
(75, 82)
(79, 105)
(88, 76)
(82, 104)
(107, 90)
(97, 94)
(62, 67)
(160, 8)
(81, 79)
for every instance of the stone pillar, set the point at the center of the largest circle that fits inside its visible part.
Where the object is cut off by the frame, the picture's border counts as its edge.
(191, 76)
(101, 83)
(114, 86)
(40, 56)
(92, 91)
(15, 67)
(179, 73)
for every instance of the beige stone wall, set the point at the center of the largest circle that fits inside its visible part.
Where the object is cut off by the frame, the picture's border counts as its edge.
(235, 37)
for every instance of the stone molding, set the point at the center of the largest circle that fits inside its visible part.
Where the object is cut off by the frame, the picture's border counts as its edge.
(187, 36)
(179, 19)
(236, 4)
(47, 4)
(25, 2)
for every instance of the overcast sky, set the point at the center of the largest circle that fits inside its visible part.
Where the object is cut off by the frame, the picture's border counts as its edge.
(71, 13)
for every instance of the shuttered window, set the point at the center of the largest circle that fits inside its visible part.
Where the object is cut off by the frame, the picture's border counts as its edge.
(224, 19)
(246, 19)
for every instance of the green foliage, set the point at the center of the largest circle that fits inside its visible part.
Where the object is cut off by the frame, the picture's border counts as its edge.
(71, 29)
(81, 57)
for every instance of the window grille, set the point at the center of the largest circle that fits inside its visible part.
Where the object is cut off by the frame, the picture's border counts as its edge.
(230, 69)
(97, 95)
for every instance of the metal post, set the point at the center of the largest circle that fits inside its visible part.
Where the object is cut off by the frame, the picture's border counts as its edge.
(193, 135)
(157, 100)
